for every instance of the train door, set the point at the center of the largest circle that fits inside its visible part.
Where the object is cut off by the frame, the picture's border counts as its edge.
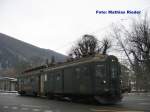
(114, 76)
(82, 80)
(58, 82)
(20, 84)
(39, 84)
(68, 80)
(42, 79)
(100, 77)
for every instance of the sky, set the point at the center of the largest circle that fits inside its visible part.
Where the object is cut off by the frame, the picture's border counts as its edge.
(57, 24)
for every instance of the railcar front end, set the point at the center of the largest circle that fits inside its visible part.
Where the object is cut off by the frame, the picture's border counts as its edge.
(107, 81)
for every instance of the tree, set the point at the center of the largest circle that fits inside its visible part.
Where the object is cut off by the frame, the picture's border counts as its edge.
(118, 34)
(106, 44)
(139, 40)
(137, 49)
(89, 45)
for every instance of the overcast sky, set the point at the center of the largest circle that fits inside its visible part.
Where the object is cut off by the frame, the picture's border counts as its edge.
(56, 24)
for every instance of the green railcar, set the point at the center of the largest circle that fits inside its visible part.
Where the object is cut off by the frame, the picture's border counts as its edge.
(96, 77)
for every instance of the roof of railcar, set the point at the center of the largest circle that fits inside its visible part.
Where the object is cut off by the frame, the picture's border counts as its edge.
(97, 57)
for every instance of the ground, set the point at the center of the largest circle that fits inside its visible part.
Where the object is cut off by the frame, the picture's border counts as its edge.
(12, 102)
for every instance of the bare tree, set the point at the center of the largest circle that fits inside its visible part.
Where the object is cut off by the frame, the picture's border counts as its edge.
(137, 47)
(118, 33)
(139, 40)
(89, 45)
(106, 44)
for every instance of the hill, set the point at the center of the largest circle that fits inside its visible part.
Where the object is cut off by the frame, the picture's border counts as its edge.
(15, 53)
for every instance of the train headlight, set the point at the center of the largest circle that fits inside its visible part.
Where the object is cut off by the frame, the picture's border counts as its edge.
(104, 81)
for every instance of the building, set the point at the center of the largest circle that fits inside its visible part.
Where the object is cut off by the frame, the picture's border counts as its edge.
(8, 84)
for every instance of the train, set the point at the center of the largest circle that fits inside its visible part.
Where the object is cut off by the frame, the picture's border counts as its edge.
(96, 77)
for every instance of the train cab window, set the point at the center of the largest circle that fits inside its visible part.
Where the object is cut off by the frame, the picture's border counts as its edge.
(114, 71)
(100, 70)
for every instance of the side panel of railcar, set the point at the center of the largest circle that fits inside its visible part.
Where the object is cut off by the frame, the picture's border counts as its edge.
(78, 80)
(28, 85)
(68, 80)
(54, 83)
(58, 81)
(83, 79)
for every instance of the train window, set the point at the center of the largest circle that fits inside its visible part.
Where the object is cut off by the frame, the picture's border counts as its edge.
(99, 66)
(100, 70)
(21, 81)
(31, 80)
(77, 69)
(58, 77)
(27, 81)
(85, 68)
(45, 77)
(24, 80)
